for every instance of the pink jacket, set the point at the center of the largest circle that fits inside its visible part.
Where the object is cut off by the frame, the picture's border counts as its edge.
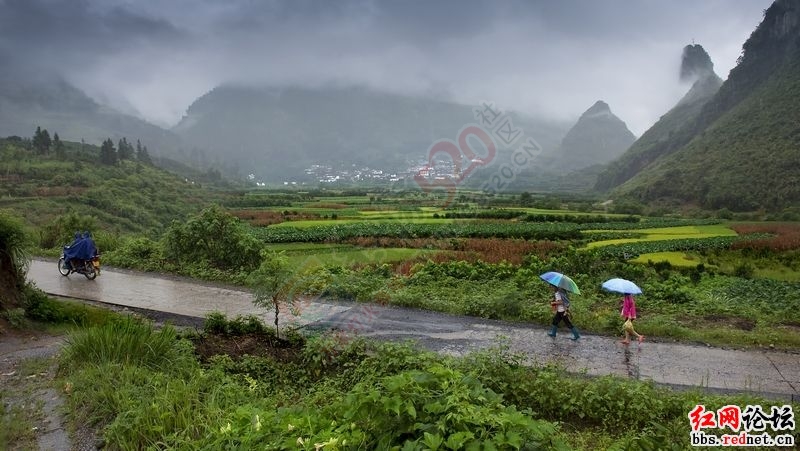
(628, 307)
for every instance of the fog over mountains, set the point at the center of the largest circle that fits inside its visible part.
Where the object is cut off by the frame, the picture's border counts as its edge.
(376, 85)
(662, 138)
(152, 59)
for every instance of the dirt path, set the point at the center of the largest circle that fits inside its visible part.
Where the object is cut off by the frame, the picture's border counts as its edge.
(768, 373)
(27, 369)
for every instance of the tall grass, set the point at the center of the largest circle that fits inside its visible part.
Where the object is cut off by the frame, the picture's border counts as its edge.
(127, 341)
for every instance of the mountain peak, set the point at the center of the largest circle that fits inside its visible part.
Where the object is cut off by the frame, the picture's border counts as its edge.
(599, 108)
(706, 157)
(597, 138)
(696, 63)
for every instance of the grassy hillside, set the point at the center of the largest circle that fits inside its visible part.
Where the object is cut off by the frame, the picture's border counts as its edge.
(127, 197)
(748, 159)
(742, 152)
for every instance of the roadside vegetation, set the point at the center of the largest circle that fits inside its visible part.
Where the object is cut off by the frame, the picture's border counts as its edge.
(236, 385)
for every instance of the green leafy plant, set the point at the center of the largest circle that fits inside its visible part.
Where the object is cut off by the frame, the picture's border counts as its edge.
(14, 258)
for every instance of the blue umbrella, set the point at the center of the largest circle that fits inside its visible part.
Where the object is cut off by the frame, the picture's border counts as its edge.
(561, 281)
(621, 286)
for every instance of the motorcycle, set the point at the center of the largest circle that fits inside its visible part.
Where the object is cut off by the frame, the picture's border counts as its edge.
(89, 268)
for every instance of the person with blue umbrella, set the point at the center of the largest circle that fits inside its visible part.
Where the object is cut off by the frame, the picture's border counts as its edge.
(628, 312)
(561, 284)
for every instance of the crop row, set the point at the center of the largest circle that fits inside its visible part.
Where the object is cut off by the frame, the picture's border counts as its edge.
(648, 224)
(340, 232)
(631, 250)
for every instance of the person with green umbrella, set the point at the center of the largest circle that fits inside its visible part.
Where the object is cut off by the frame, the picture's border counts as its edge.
(560, 301)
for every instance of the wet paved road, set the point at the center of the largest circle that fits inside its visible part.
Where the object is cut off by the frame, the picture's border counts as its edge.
(771, 373)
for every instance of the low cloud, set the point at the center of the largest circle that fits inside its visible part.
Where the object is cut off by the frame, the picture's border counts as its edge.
(551, 59)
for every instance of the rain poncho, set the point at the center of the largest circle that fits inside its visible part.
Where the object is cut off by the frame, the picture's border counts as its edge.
(83, 248)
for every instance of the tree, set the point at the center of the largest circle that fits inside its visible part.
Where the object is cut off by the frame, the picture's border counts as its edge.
(108, 155)
(58, 145)
(213, 237)
(272, 284)
(41, 141)
(37, 138)
(142, 154)
(124, 150)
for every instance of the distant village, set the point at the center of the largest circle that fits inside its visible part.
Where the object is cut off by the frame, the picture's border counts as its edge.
(325, 173)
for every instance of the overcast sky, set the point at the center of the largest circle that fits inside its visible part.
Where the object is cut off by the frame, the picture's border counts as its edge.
(551, 58)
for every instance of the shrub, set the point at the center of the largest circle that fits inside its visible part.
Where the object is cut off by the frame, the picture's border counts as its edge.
(212, 236)
(136, 252)
(434, 408)
(744, 270)
(15, 317)
(14, 247)
(61, 231)
(41, 308)
(216, 323)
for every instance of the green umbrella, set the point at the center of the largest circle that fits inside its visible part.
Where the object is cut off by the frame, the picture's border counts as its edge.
(560, 280)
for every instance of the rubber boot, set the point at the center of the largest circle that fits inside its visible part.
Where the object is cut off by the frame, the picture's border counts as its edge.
(575, 334)
(553, 331)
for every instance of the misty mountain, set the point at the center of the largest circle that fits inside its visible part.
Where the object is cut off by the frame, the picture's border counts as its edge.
(742, 150)
(276, 133)
(597, 138)
(673, 129)
(28, 101)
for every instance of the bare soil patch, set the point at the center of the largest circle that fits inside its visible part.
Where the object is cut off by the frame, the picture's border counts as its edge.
(259, 345)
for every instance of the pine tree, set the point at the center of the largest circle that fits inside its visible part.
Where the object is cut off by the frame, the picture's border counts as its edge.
(37, 137)
(108, 155)
(58, 145)
(143, 156)
(124, 149)
(41, 140)
(46, 141)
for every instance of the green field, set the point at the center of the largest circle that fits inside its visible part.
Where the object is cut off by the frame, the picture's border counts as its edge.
(679, 259)
(306, 255)
(545, 211)
(668, 233)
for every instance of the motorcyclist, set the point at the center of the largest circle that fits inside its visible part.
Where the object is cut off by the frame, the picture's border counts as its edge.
(70, 249)
(90, 244)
